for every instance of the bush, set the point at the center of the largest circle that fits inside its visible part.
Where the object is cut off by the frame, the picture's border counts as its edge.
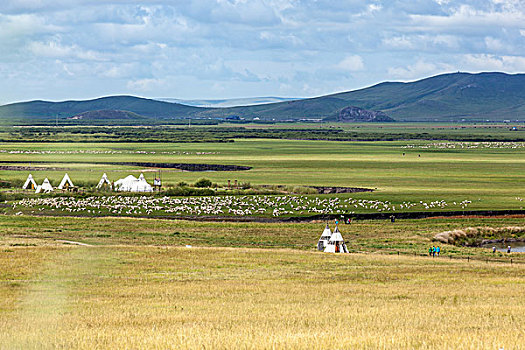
(203, 182)
(188, 191)
(182, 184)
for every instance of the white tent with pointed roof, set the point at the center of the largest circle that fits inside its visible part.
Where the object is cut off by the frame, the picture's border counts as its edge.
(141, 185)
(65, 183)
(132, 184)
(30, 183)
(126, 183)
(104, 181)
(336, 244)
(45, 187)
(325, 237)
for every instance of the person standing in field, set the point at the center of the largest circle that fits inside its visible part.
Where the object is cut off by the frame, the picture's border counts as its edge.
(433, 251)
(430, 251)
(438, 250)
(508, 249)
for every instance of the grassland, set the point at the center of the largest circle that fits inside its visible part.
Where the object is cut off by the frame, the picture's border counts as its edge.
(408, 237)
(137, 286)
(228, 132)
(135, 283)
(490, 177)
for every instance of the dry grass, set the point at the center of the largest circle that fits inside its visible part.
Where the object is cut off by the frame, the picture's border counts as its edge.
(224, 298)
(453, 236)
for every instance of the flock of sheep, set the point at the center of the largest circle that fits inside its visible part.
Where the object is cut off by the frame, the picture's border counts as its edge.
(257, 205)
(468, 145)
(28, 151)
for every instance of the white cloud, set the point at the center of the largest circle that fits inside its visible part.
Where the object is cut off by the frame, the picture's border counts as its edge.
(494, 44)
(54, 49)
(144, 85)
(352, 63)
(486, 62)
(417, 70)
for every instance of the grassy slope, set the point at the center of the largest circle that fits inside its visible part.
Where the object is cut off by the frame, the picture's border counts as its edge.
(492, 96)
(369, 236)
(447, 97)
(49, 110)
(158, 297)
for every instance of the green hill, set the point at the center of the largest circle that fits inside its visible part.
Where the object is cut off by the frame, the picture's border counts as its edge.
(42, 111)
(447, 97)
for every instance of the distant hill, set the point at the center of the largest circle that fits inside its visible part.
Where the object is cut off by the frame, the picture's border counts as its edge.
(447, 97)
(147, 108)
(107, 114)
(231, 102)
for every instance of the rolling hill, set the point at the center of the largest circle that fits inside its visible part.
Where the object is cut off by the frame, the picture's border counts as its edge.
(446, 97)
(150, 110)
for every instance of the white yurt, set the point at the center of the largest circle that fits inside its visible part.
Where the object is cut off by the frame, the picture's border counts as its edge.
(125, 183)
(45, 187)
(336, 244)
(325, 237)
(141, 185)
(132, 184)
(104, 181)
(65, 183)
(30, 183)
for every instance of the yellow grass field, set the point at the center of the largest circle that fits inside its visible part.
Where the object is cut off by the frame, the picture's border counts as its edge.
(160, 297)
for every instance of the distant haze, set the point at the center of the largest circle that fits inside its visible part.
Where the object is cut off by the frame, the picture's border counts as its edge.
(233, 102)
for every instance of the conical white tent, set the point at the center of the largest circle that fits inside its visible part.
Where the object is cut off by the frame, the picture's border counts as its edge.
(30, 183)
(126, 183)
(141, 185)
(45, 187)
(104, 181)
(65, 183)
(325, 237)
(337, 243)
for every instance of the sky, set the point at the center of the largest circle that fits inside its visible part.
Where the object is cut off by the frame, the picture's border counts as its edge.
(80, 49)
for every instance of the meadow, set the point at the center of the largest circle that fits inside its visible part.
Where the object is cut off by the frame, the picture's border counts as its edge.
(137, 284)
(76, 273)
(488, 175)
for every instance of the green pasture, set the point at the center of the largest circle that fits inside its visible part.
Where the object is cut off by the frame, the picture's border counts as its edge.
(491, 178)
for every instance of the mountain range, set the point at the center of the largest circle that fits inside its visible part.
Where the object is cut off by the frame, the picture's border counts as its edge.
(447, 98)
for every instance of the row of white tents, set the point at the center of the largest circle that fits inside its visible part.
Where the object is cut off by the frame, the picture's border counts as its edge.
(332, 242)
(127, 184)
(46, 187)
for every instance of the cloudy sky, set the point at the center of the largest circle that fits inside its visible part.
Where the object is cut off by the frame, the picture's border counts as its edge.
(76, 49)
